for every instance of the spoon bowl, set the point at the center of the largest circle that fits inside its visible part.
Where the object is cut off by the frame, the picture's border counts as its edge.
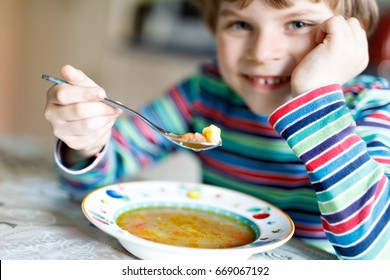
(196, 146)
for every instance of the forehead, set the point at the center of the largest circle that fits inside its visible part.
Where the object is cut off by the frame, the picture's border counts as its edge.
(273, 3)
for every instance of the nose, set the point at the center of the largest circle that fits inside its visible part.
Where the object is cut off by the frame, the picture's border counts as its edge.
(266, 46)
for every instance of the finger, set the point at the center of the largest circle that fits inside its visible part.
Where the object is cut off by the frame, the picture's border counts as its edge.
(358, 30)
(87, 126)
(69, 94)
(101, 142)
(90, 141)
(355, 25)
(335, 27)
(75, 76)
(85, 110)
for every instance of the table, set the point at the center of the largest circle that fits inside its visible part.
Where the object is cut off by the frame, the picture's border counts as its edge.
(39, 221)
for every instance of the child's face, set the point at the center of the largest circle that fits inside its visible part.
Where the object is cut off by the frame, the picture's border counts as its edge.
(259, 47)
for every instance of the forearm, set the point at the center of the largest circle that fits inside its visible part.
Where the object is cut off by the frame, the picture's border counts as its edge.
(352, 188)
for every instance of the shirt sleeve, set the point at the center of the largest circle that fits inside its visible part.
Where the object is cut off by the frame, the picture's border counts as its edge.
(346, 151)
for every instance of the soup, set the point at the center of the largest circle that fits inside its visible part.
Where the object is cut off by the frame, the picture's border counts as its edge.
(186, 227)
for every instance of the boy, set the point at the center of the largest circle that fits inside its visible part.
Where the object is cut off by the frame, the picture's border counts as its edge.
(290, 134)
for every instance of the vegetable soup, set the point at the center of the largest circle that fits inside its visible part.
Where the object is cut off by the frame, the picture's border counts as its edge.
(186, 227)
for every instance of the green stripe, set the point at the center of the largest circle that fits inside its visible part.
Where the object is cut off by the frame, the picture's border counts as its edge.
(313, 128)
(349, 180)
(130, 132)
(351, 194)
(254, 146)
(220, 89)
(168, 116)
(311, 141)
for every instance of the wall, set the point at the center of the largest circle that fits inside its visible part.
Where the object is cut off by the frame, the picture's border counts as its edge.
(10, 62)
(56, 33)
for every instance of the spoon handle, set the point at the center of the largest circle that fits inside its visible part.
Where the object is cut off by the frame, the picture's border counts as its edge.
(134, 113)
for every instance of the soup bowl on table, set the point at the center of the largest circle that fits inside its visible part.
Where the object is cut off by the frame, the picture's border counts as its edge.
(157, 220)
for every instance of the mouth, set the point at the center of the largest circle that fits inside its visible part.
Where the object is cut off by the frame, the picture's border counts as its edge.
(267, 82)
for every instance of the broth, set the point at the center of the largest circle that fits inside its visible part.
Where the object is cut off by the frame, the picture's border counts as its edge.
(186, 227)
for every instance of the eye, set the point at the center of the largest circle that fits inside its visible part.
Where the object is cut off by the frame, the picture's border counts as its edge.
(297, 25)
(241, 25)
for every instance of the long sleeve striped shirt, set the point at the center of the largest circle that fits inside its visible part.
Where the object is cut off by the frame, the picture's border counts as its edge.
(323, 157)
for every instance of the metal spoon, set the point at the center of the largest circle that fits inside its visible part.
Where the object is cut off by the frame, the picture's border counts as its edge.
(175, 138)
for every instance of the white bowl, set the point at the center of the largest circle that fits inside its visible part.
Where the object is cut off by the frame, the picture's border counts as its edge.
(102, 207)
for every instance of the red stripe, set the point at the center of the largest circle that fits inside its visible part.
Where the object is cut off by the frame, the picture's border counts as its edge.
(145, 130)
(382, 160)
(332, 153)
(354, 88)
(119, 138)
(181, 103)
(379, 116)
(308, 228)
(357, 219)
(244, 125)
(211, 69)
(301, 100)
(254, 175)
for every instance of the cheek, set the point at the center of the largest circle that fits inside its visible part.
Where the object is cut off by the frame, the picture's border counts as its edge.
(223, 48)
(228, 52)
(300, 47)
(224, 55)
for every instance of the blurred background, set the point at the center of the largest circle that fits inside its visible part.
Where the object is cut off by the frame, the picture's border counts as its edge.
(134, 49)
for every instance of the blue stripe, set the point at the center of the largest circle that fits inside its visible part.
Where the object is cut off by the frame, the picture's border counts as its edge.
(311, 118)
(361, 230)
(353, 208)
(374, 124)
(367, 242)
(328, 168)
(339, 137)
(358, 162)
(307, 109)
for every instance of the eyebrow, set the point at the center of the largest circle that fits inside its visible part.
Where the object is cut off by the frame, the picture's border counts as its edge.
(303, 13)
(312, 12)
(227, 12)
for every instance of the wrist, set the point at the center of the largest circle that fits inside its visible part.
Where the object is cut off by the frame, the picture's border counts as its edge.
(71, 157)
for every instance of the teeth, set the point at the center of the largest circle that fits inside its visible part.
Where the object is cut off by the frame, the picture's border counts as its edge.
(271, 81)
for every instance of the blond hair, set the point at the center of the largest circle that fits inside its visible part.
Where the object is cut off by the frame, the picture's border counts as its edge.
(366, 11)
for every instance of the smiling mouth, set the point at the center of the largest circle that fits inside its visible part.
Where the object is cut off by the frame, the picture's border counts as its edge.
(267, 81)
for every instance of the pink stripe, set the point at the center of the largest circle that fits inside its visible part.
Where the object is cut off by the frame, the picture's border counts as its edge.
(258, 176)
(379, 116)
(301, 100)
(181, 103)
(332, 153)
(244, 125)
(357, 219)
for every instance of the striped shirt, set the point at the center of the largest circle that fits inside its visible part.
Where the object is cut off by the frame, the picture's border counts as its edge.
(323, 157)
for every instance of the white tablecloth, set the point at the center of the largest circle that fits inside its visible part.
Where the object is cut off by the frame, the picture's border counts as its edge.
(39, 221)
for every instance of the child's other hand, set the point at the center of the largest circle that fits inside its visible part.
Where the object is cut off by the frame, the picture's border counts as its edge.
(341, 54)
(76, 114)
